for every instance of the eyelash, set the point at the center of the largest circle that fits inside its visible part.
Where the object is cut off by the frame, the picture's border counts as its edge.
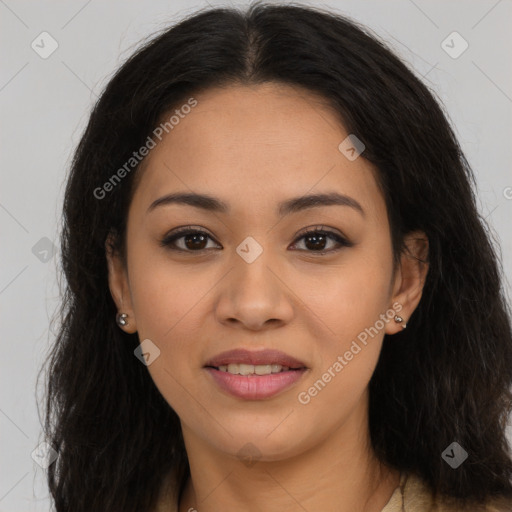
(170, 239)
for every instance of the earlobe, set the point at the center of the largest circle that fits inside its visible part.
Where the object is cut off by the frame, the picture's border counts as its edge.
(410, 279)
(119, 287)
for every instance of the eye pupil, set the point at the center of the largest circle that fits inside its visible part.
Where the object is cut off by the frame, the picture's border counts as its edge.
(318, 241)
(195, 244)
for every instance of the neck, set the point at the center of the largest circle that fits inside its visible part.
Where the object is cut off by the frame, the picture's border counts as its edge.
(341, 474)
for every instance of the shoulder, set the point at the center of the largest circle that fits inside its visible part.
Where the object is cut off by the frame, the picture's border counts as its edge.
(414, 495)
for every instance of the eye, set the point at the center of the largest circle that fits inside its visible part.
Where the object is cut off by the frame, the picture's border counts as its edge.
(318, 238)
(193, 240)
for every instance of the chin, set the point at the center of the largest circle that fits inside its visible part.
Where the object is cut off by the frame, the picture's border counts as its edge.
(258, 445)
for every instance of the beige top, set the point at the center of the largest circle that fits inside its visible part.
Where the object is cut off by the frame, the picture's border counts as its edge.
(412, 495)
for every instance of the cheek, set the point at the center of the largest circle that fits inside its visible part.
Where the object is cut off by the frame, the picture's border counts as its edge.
(167, 305)
(167, 302)
(350, 297)
(350, 305)
(165, 294)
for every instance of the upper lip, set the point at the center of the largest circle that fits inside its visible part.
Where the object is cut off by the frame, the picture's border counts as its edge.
(244, 356)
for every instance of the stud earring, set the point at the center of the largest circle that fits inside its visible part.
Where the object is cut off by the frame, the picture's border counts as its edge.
(121, 319)
(399, 320)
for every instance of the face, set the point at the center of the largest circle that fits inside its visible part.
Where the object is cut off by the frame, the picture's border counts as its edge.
(254, 276)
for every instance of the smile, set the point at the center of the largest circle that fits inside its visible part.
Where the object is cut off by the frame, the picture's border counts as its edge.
(254, 375)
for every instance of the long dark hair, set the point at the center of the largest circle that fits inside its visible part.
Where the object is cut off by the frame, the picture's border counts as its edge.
(446, 378)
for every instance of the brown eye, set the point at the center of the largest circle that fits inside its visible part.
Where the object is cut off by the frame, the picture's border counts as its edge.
(194, 241)
(317, 240)
(187, 240)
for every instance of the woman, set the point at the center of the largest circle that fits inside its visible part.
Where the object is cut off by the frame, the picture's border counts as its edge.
(281, 295)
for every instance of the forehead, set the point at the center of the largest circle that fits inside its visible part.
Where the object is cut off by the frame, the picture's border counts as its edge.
(266, 141)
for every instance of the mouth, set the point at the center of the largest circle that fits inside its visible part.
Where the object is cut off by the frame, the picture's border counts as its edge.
(255, 375)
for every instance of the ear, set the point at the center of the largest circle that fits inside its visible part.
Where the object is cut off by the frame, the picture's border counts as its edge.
(409, 279)
(119, 285)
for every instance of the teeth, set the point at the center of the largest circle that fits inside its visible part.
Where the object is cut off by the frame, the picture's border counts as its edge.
(251, 369)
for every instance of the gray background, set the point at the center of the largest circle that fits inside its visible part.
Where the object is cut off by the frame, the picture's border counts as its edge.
(44, 107)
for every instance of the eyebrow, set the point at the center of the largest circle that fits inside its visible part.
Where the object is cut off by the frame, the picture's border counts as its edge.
(296, 204)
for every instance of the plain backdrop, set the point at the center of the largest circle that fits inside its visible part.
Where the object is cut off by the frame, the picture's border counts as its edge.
(45, 103)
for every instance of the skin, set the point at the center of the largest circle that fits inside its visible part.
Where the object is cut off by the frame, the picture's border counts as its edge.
(252, 147)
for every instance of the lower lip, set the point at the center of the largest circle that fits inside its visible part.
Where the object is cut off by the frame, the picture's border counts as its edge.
(255, 387)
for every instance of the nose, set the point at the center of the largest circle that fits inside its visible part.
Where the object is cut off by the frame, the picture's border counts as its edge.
(255, 295)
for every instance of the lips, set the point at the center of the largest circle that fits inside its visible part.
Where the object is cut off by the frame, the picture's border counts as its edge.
(254, 381)
(263, 357)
